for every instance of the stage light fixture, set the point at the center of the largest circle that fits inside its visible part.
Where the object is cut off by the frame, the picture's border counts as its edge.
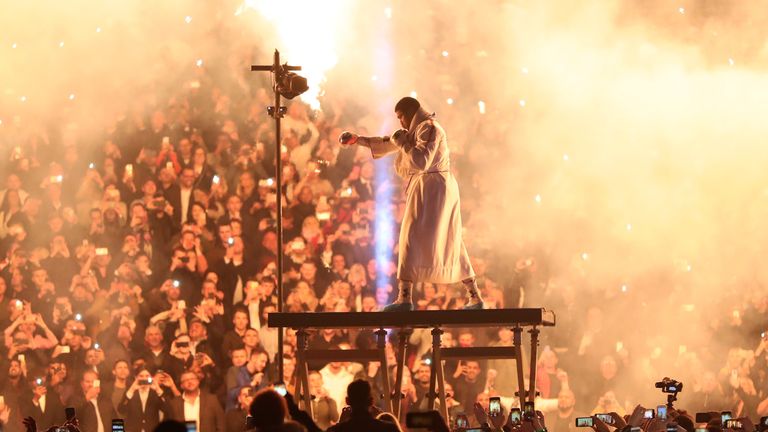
(291, 85)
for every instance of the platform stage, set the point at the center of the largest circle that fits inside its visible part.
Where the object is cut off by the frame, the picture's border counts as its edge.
(404, 322)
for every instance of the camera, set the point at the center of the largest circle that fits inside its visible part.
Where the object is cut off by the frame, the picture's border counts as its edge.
(584, 422)
(668, 385)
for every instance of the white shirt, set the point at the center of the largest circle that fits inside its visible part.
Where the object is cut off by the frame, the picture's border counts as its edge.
(143, 395)
(336, 384)
(41, 403)
(268, 336)
(192, 410)
(100, 425)
(253, 312)
(185, 199)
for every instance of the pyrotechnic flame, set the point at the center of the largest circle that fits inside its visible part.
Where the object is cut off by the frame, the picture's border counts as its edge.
(309, 33)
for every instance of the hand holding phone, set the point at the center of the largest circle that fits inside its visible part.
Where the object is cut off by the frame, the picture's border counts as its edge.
(494, 406)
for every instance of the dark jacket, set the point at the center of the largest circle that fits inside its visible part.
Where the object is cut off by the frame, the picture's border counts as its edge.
(139, 419)
(54, 410)
(86, 414)
(363, 422)
(211, 414)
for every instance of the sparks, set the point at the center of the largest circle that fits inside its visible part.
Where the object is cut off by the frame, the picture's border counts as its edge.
(414, 94)
(445, 53)
(374, 78)
(629, 227)
(681, 10)
(310, 39)
(199, 63)
(537, 198)
(61, 44)
(388, 12)
(481, 107)
(23, 98)
(522, 102)
(98, 29)
(730, 61)
(566, 157)
(449, 101)
(585, 256)
(14, 45)
(524, 70)
(187, 19)
(71, 96)
(624, 288)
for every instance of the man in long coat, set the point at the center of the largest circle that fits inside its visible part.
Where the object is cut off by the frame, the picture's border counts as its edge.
(431, 248)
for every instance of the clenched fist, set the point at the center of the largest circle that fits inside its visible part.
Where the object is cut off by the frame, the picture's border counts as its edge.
(348, 138)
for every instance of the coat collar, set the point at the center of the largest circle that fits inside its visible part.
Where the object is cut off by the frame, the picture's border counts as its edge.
(420, 116)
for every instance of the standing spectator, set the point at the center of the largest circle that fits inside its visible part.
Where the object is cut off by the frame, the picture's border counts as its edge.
(95, 411)
(196, 405)
(235, 417)
(45, 409)
(336, 378)
(324, 409)
(469, 383)
(142, 403)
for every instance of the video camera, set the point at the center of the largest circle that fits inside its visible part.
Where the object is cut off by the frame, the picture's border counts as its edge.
(669, 385)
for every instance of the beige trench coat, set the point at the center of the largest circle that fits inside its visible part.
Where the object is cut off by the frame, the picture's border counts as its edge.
(431, 248)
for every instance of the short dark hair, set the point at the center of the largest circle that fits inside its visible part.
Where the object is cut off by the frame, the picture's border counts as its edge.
(359, 394)
(268, 409)
(407, 105)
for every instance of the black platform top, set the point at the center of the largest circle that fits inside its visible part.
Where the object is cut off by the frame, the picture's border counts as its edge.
(416, 319)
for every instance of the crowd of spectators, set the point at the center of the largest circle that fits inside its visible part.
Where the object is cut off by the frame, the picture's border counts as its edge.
(138, 269)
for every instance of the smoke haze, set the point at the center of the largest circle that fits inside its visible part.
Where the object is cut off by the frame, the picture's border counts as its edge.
(622, 144)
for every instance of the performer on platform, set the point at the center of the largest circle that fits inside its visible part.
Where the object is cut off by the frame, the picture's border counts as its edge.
(431, 248)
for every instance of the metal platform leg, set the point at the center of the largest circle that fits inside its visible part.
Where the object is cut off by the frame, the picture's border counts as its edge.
(534, 346)
(432, 394)
(381, 344)
(517, 340)
(437, 364)
(397, 393)
(302, 379)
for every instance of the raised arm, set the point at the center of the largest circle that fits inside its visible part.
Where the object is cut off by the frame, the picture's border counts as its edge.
(380, 146)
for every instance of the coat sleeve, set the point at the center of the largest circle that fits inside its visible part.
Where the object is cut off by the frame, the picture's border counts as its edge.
(420, 156)
(381, 146)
